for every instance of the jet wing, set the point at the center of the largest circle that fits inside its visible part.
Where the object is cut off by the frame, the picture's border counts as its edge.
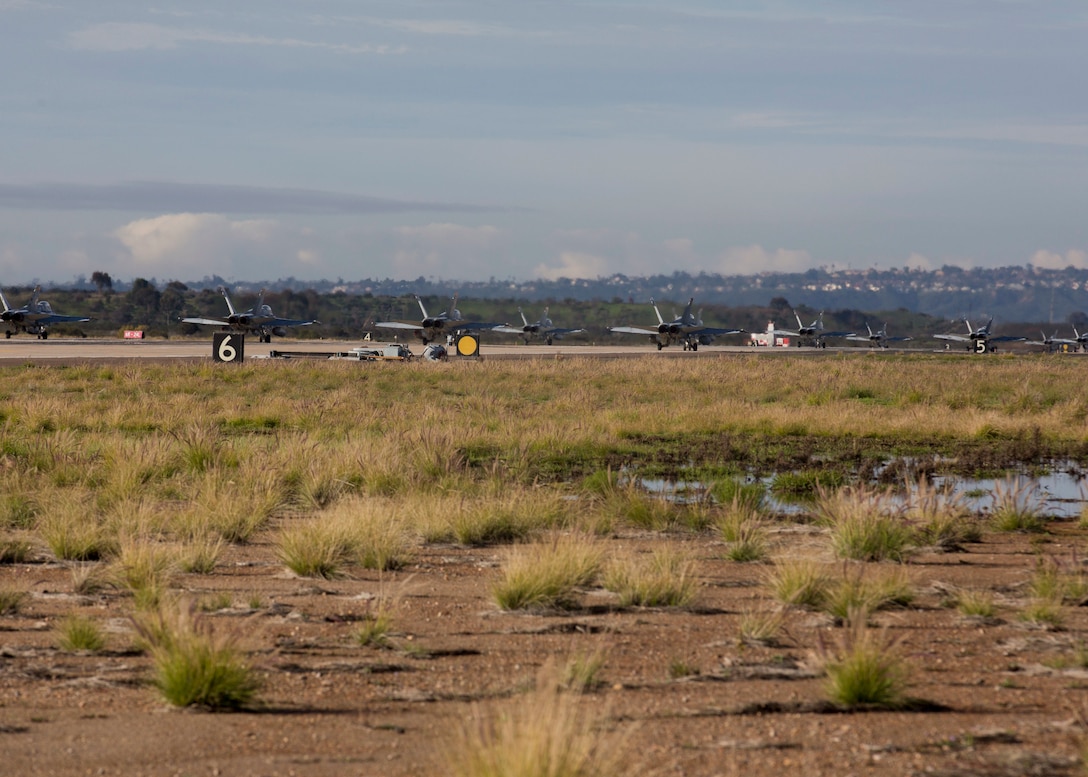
(206, 321)
(898, 339)
(859, 338)
(287, 322)
(510, 330)
(632, 330)
(397, 325)
(468, 326)
(841, 334)
(955, 338)
(561, 332)
(1006, 339)
(55, 319)
(713, 332)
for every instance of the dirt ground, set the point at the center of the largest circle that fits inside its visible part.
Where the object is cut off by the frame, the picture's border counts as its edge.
(991, 698)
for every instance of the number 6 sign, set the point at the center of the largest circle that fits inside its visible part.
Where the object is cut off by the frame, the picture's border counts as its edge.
(228, 347)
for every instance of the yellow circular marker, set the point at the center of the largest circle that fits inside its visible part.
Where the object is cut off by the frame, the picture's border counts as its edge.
(468, 345)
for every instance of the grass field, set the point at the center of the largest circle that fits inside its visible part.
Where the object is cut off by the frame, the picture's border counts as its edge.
(235, 535)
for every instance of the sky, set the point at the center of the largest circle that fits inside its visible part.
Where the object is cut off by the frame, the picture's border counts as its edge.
(479, 139)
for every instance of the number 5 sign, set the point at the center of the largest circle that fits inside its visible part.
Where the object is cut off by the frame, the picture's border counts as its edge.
(228, 347)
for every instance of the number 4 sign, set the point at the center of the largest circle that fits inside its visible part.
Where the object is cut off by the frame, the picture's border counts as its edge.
(228, 347)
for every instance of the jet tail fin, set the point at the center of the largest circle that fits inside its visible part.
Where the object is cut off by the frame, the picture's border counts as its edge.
(226, 296)
(7, 307)
(660, 320)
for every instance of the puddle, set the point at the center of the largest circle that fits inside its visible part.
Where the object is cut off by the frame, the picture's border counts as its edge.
(1062, 492)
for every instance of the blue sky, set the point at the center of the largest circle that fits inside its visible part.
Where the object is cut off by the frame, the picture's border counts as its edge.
(259, 139)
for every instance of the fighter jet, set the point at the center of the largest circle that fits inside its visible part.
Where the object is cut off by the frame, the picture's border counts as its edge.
(687, 328)
(33, 317)
(544, 329)
(980, 340)
(445, 323)
(814, 333)
(259, 319)
(879, 338)
(1054, 342)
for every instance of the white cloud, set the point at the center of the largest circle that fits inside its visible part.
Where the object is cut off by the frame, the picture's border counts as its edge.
(453, 250)
(131, 36)
(572, 264)
(1050, 260)
(742, 260)
(194, 244)
(455, 27)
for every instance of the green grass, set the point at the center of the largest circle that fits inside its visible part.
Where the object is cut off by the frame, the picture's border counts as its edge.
(799, 582)
(864, 526)
(664, 578)
(865, 669)
(11, 599)
(742, 526)
(860, 592)
(1017, 507)
(79, 633)
(975, 603)
(14, 550)
(582, 672)
(314, 548)
(195, 666)
(547, 574)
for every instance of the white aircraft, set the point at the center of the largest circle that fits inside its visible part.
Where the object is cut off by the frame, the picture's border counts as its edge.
(258, 319)
(33, 317)
(979, 340)
(879, 338)
(687, 328)
(1054, 342)
(543, 328)
(431, 327)
(814, 333)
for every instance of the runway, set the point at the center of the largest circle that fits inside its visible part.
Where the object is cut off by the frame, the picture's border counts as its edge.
(79, 349)
(74, 350)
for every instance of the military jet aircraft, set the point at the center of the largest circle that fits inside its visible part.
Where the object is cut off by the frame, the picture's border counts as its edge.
(1054, 342)
(687, 328)
(814, 333)
(980, 340)
(33, 317)
(447, 322)
(259, 319)
(879, 338)
(543, 328)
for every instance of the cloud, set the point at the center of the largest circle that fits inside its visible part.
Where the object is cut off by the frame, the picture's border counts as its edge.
(572, 264)
(744, 260)
(449, 27)
(196, 244)
(1049, 260)
(918, 262)
(173, 197)
(142, 36)
(434, 248)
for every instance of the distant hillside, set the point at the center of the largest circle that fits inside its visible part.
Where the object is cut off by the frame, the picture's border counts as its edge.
(1010, 294)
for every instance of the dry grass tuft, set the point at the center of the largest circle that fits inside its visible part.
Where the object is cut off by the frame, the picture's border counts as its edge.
(548, 574)
(546, 733)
